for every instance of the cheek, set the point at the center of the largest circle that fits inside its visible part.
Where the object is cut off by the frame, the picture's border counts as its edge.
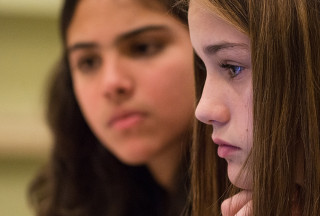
(170, 93)
(248, 114)
(172, 82)
(86, 98)
(243, 121)
(250, 118)
(80, 94)
(171, 74)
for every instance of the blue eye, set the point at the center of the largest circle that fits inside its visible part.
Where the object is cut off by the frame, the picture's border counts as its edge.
(234, 70)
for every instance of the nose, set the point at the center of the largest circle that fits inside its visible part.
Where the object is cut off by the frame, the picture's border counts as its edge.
(212, 108)
(117, 82)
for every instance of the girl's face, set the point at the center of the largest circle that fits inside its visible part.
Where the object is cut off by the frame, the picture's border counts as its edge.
(132, 71)
(226, 101)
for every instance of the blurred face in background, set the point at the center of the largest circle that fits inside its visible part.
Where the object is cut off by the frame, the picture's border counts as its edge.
(226, 101)
(132, 71)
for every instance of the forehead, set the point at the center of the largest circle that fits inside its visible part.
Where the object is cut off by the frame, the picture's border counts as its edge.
(158, 5)
(106, 17)
(154, 5)
(207, 28)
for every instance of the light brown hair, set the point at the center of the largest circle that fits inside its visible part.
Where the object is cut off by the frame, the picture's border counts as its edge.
(285, 49)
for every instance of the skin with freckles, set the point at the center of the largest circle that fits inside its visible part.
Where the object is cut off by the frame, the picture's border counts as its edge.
(226, 101)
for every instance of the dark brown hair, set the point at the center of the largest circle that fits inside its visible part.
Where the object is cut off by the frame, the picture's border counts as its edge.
(83, 177)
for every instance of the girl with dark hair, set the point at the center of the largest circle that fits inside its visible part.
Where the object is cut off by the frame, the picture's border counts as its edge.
(121, 110)
(261, 97)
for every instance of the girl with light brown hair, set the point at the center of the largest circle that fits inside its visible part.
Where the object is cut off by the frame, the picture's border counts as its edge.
(261, 96)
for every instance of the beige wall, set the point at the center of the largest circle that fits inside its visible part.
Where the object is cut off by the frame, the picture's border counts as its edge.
(29, 47)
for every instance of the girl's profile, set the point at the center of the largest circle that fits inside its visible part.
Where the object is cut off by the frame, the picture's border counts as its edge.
(260, 97)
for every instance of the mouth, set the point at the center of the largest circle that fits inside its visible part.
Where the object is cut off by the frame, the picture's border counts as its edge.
(225, 149)
(126, 120)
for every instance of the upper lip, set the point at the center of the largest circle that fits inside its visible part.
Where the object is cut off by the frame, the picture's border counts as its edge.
(122, 114)
(221, 142)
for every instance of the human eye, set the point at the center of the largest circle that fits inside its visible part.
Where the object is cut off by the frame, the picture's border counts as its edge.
(234, 70)
(145, 49)
(88, 63)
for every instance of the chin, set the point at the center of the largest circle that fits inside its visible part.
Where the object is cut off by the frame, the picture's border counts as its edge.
(133, 153)
(133, 158)
(132, 161)
(239, 177)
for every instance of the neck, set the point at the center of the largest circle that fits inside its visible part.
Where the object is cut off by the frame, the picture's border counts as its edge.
(165, 165)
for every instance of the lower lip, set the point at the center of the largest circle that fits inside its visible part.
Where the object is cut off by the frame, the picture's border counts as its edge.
(128, 121)
(226, 150)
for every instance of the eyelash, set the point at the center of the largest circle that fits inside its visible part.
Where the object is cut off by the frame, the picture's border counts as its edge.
(234, 70)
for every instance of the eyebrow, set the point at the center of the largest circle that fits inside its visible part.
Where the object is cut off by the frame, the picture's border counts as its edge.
(82, 45)
(142, 30)
(214, 49)
(123, 37)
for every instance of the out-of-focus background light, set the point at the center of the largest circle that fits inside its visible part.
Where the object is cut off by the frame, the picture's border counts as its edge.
(35, 8)
(29, 48)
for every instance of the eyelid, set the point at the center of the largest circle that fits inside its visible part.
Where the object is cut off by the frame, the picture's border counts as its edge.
(75, 55)
(233, 68)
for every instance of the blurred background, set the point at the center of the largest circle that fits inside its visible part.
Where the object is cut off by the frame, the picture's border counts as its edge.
(29, 47)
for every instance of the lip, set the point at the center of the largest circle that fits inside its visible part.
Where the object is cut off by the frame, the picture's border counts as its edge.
(122, 120)
(225, 149)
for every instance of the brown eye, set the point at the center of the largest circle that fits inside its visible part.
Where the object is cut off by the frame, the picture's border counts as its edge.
(145, 49)
(89, 63)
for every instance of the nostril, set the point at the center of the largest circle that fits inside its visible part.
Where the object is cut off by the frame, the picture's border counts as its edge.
(213, 114)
